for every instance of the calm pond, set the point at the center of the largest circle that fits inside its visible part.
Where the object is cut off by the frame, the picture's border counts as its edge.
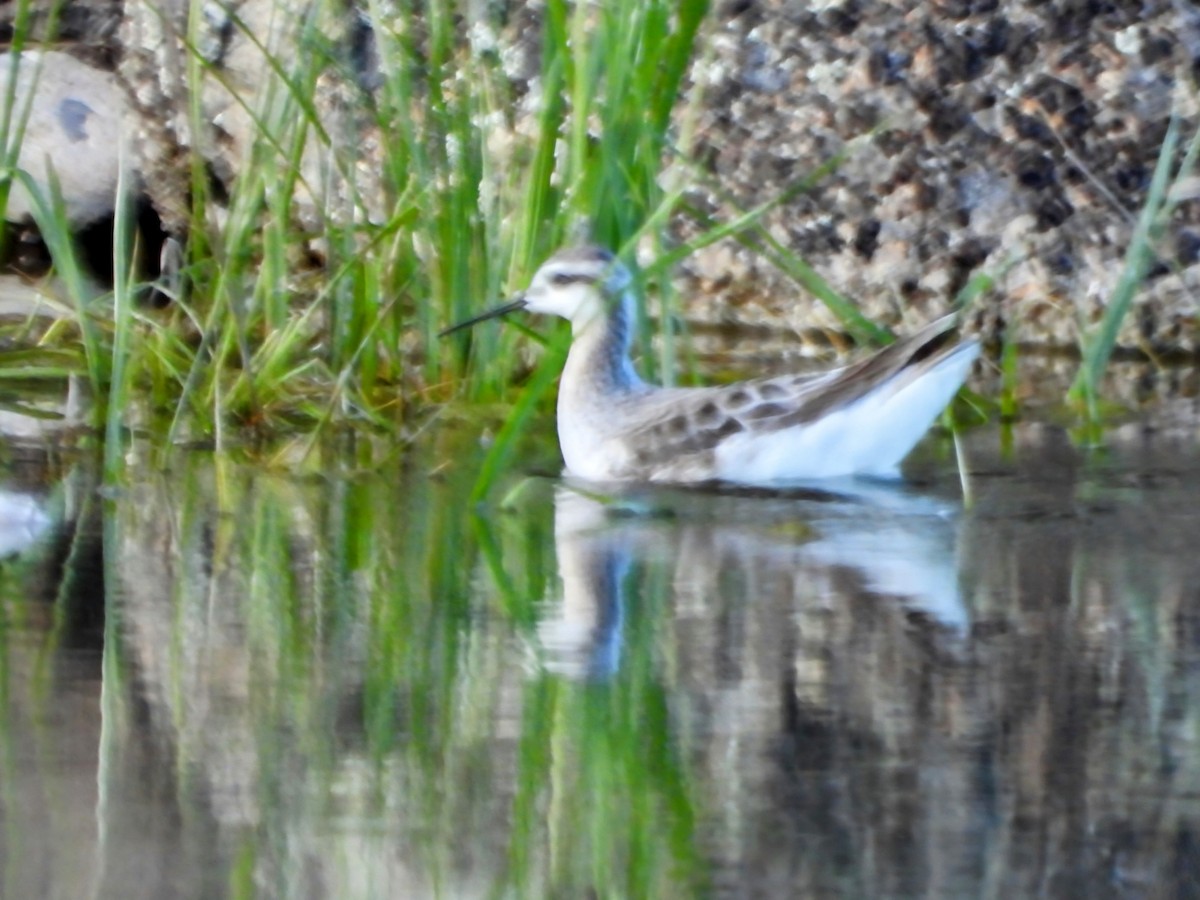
(219, 680)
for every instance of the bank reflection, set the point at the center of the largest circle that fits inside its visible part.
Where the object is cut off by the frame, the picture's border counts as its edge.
(51, 620)
(23, 521)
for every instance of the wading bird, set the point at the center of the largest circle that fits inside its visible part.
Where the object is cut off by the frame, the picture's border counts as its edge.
(613, 426)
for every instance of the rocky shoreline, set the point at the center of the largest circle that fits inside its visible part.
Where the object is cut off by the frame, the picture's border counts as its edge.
(1009, 139)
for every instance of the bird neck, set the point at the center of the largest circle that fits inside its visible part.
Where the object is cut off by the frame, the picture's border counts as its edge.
(600, 344)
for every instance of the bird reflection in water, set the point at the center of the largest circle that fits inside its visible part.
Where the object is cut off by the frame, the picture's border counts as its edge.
(873, 538)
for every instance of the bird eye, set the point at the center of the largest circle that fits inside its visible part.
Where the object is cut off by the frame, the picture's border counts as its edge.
(562, 279)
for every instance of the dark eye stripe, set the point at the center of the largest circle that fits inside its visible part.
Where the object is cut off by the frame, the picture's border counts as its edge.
(562, 279)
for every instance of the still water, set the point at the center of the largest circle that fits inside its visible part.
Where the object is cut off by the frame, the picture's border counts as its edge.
(340, 679)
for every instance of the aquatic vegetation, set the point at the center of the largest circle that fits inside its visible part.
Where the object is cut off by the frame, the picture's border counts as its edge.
(1098, 342)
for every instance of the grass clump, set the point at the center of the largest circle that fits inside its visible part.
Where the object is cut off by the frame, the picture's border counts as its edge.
(423, 212)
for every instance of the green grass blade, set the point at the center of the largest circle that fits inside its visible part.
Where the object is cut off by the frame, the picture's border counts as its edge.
(1098, 345)
(523, 410)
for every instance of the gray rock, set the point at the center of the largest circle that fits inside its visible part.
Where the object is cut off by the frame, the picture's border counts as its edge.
(75, 119)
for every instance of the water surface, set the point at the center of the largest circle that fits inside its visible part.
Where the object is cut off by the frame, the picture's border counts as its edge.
(219, 680)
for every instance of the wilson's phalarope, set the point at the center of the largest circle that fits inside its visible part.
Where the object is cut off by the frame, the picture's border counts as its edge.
(612, 426)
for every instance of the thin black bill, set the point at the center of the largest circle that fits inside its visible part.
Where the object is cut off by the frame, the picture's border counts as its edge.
(512, 306)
